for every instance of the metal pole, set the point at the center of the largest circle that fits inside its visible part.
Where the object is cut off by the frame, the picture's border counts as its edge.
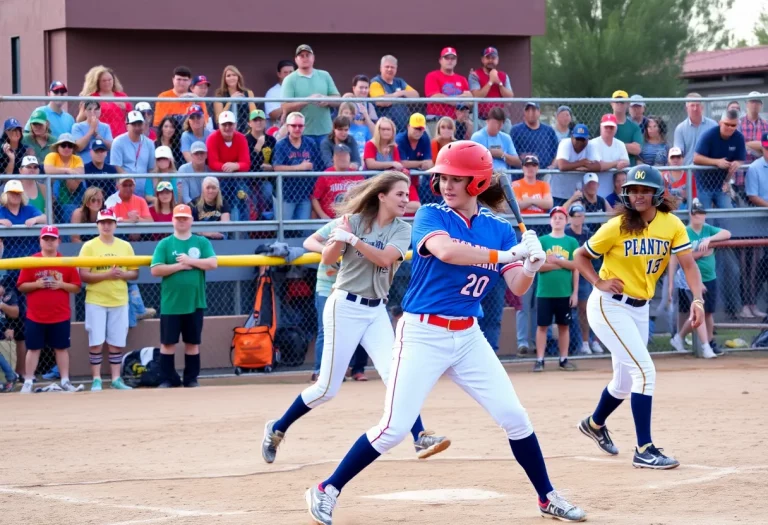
(49, 200)
(475, 117)
(279, 208)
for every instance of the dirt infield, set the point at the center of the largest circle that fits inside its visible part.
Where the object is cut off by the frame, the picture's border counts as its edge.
(192, 456)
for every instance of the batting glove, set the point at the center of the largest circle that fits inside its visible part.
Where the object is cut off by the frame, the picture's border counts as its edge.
(339, 235)
(533, 263)
(532, 243)
(518, 253)
(528, 234)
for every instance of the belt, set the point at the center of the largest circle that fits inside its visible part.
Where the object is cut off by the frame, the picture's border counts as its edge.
(637, 303)
(363, 300)
(454, 325)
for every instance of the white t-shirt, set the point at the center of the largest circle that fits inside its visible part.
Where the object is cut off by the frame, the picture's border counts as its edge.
(563, 185)
(605, 153)
(274, 92)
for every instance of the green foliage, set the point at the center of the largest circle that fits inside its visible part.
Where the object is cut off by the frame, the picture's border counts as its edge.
(593, 47)
(761, 29)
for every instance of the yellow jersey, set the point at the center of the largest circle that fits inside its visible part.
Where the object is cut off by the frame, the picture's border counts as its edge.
(638, 261)
(113, 292)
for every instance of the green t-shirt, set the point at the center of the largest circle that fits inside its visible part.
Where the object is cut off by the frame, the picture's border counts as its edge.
(706, 264)
(630, 132)
(557, 283)
(182, 292)
(317, 119)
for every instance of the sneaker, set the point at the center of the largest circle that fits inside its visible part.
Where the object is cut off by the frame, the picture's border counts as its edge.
(321, 503)
(715, 348)
(585, 349)
(522, 350)
(567, 366)
(191, 384)
(313, 377)
(599, 436)
(119, 384)
(538, 366)
(707, 352)
(596, 348)
(271, 441)
(746, 312)
(67, 386)
(559, 508)
(429, 444)
(360, 376)
(96, 385)
(7, 386)
(677, 344)
(653, 458)
(165, 384)
(53, 374)
(149, 313)
(757, 313)
(26, 388)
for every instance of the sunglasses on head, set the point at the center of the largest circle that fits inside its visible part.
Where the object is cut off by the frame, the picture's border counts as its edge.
(164, 186)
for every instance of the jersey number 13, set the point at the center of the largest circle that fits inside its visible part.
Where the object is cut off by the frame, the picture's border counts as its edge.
(476, 285)
(653, 266)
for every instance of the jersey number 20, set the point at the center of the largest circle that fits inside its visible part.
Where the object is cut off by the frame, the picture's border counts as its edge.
(476, 285)
(653, 266)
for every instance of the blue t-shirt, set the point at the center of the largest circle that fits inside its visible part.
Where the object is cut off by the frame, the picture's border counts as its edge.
(361, 134)
(542, 141)
(108, 186)
(19, 246)
(399, 113)
(501, 140)
(296, 189)
(81, 129)
(461, 288)
(712, 145)
(423, 150)
(188, 138)
(134, 157)
(58, 123)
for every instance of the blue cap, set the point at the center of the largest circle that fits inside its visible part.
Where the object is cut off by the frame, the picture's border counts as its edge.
(98, 144)
(341, 148)
(532, 103)
(563, 108)
(11, 123)
(57, 85)
(580, 131)
(576, 207)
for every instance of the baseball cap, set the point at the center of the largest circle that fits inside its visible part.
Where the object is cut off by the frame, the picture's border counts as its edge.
(200, 79)
(488, 51)
(257, 113)
(620, 93)
(417, 120)
(143, 106)
(461, 106)
(576, 208)
(13, 186)
(28, 160)
(580, 131)
(563, 108)
(194, 109)
(227, 117)
(448, 51)
(697, 207)
(303, 47)
(677, 152)
(636, 100)
(49, 231)
(164, 185)
(135, 116)
(65, 138)
(198, 146)
(106, 215)
(98, 144)
(341, 148)
(125, 179)
(38, 117)
(557, 209)
(531, 159)
(163, 152)
(609, 120)
(11, 123)
(756, 96)
(590, 177)
(182, 210)
(57, 86)
(531, 103)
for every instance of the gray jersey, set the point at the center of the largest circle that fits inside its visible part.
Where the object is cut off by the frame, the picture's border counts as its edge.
(360, 276)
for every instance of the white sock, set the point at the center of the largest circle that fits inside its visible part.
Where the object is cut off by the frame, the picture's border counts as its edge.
(678, 338)
(64, 379)
(706, 347)
(28, 381)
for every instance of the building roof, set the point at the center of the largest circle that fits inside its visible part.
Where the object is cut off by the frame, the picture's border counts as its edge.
(726, 62)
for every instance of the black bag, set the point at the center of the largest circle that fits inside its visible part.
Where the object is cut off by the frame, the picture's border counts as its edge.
(761, 339)
(291, 345)
(142, 367)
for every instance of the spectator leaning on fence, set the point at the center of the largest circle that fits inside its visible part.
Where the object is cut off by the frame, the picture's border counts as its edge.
(500, 144)
(59, 120)
(48, 312)
(101, 81)
(88, 212)
(211, 207)
(533, 195)
(576, 153)
(358, 130)
(610, 151)
(757, 177)
(563, 120)
(191, 187)
(381, 151)
(106, 299)
(15, 210)
(724, 148)
(388, 85)
(627, 131)
(195, 130)
(588, 196)
(296, 153)
(489, 82)
(200, 85)
(463, 118)
(655, 150)
(181, 260)
(340, 135)
(133, 152)
(233, 87)
(90, 130)
(149, 116)
(753, 127)
(62, 161)
(11, 148)
(169, 135)
(366, 111)
(127, 207)
(688, 132)
(182, 77)
(228, 153)
(165, 169)
(637, 112)
(330, 191)
(619, 178)
(40, 137)
(413, 144)
(532, 136)
(445, 83)
(33, 190)
(99, 166)
(274, 110)
(676, 181)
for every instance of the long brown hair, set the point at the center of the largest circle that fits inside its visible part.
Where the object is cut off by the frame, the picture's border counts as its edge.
(85, 211)
(632, 223)
(223, 90)
(493, 197)
(363, 198)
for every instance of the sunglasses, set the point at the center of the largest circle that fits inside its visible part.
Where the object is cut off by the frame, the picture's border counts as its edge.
(297, 126)
(164, 186)
(195, 116)
(67, 145)
(96, 199)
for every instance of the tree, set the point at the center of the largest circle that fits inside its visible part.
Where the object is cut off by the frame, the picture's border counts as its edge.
(593, 47)
(761, 29)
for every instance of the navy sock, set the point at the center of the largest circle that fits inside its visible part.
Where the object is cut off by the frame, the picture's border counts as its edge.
(191, 367)
(297, 409)
(359, 456)
(641, 413)
(168, 368)
(417, 428)
(527, 452)
(605, 407)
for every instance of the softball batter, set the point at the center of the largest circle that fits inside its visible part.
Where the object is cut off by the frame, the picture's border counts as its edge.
(636, 247)
(372, 241)
(460, 249)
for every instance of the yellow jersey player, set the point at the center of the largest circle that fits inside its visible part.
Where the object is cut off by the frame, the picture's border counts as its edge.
(636, 247)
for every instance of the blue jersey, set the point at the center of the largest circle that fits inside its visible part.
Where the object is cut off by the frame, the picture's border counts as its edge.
(440, 288)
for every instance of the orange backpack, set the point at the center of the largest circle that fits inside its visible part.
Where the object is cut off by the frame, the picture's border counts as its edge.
(253, 343)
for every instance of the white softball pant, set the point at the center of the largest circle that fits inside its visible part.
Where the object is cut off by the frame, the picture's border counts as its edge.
(422, 353)
(345, 325)
(624, 330)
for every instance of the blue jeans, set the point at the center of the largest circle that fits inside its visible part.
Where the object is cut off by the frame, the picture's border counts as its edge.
(8, 372)
(493, 308)
(716, 197)
(135, 304)
(297, 211)
(526, 319)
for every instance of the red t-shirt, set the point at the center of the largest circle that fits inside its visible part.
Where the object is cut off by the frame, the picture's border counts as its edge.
(113, 115)
(46, 305)
(438, 83)
(371, 152)
(331, 190)
(219, 153)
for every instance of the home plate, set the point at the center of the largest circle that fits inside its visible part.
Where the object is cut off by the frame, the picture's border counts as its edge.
(439, 495)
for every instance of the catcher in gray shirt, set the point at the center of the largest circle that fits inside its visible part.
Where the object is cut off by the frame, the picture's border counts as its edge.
(372, 239)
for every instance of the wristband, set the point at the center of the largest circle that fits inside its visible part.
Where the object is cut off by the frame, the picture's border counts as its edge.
(528, 273)
(353, 240)
(493, 256)
(699, 303)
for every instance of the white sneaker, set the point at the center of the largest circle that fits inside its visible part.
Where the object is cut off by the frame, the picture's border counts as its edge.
(707, 352)
(689, 340)
(596, 348)
(585, 349)
(26, 387)
(677, 344)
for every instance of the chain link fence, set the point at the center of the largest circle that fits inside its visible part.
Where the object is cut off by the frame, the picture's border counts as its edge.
(276, 186)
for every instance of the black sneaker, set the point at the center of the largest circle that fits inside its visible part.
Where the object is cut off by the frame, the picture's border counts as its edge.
(716, 349)
(567, 366)
(599, 436)
(539, 366)
(191, 384)
(165, 384)
(653, 458)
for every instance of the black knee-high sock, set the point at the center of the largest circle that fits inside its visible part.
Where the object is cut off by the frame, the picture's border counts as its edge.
(528, 453)
(605, 407)
(191, 367)
(359, 456)
(168, 368)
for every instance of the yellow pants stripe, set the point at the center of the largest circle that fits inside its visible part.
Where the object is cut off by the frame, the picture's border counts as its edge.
(622, 344)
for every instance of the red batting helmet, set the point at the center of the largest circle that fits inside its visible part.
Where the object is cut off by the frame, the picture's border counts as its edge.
(464, 158)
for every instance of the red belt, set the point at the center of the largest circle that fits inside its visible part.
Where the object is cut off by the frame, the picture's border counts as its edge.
(454, 325)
